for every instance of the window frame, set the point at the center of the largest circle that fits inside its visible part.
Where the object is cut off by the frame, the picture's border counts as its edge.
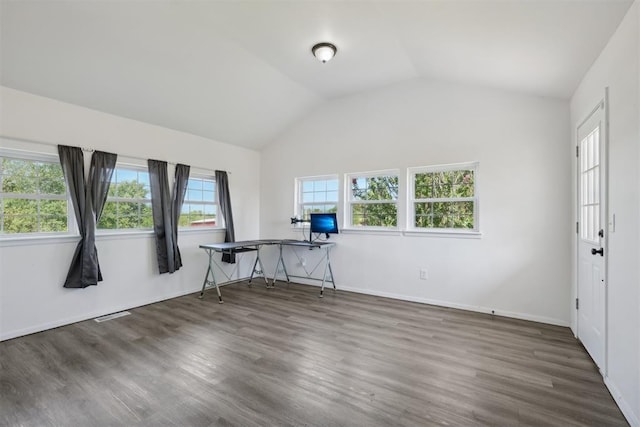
(219, 218)
(349, 201)
(107, 231)
(298, 199)
(412, 200)
(35, 157)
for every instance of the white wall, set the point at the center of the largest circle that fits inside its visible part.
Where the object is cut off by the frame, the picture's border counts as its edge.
(31, 294)
(617, 68)
(519, 267)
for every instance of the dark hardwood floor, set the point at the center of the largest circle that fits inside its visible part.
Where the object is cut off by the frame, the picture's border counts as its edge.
(283, 357)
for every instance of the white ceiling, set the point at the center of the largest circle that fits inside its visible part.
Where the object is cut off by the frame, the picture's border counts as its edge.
(241, 71)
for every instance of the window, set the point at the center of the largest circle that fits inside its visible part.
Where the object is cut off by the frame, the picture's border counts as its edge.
(590, 187)
(373, 200)
(316, 195)
(128, 203)
(444, 197)
(200, 207)
(33, 196)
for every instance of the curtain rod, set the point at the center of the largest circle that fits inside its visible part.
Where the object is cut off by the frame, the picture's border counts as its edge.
(91, 150)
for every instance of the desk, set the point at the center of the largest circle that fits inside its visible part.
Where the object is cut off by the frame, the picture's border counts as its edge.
(328, 272)
(231, 248)
(258, 269)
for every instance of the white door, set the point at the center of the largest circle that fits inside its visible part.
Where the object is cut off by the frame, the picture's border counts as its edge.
(592, 232)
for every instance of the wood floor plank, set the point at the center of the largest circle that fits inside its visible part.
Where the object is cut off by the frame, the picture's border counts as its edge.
(285, 357)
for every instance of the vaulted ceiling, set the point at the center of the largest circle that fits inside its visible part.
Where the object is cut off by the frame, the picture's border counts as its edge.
(242, 71)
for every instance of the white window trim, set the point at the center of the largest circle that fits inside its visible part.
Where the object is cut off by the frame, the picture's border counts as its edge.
(219, 218)
(412, 230)
(445, 232)
(196, 230)
(72, 227)
(297, 202)
(348, 201)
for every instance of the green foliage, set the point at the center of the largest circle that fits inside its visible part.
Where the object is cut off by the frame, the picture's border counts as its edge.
(444, 215)
(374, 215)
(34, 200)
(382, 188)
(444, 185)
(29, 177)
(121, 213)
(29, 203)
(375, 188)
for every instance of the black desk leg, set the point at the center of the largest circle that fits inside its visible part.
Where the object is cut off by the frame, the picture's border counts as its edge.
(284, 268)
(327, 267)
(253, 270)
(204, 284)
(212, 281)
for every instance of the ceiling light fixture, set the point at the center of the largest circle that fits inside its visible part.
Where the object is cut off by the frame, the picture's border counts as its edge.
(324, 51)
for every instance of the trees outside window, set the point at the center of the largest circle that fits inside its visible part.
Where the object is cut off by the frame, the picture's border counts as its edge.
(128, 204)
(444, 197)
(33, 197)
(373, 200)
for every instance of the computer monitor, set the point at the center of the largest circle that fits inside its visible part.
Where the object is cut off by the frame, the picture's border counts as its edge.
(323, 223)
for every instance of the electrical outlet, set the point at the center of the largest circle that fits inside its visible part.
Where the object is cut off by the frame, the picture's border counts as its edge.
(424, 274)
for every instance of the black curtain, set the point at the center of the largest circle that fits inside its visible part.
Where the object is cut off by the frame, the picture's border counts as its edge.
(177, 199)
(88, 201)
(222, 184)
(161, 208)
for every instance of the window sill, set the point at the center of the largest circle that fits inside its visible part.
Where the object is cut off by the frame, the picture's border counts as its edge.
(373, 231)
(38, 240)
(201, 230)
(123, 234)
(460, 234)
(133, 234)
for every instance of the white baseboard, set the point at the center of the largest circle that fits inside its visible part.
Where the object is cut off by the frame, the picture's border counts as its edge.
(86, 316)
(479, 309)
(102, 312)
(624, 406)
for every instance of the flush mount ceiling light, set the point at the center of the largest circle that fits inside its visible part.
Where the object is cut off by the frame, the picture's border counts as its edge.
(324, 51)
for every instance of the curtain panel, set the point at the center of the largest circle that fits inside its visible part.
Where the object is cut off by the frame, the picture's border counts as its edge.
(177, 199)
(88, 201)
(166, 212)
(224, 198)
(161, 210)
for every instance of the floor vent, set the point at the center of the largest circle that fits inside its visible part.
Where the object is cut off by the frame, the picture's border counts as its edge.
(111, 316)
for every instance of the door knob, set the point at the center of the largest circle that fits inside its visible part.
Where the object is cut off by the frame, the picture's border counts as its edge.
(597, 251)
